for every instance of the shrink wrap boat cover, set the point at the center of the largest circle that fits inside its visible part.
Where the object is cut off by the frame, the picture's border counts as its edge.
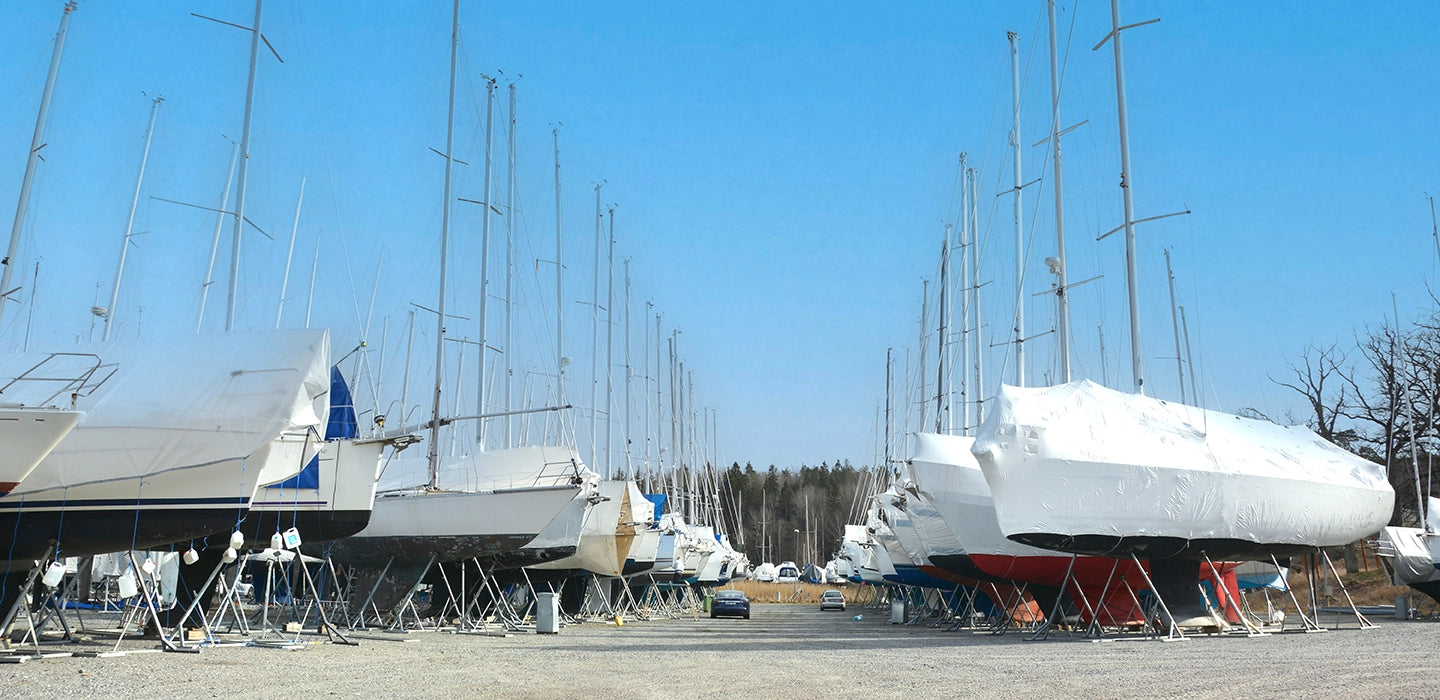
(517, 467)
(185, 402)
(1080, 462)
(1409, 550)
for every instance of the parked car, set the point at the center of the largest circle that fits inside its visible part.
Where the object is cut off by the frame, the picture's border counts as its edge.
(832, 599)
(730, 603)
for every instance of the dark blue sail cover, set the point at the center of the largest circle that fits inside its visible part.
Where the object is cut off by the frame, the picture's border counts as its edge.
(341, 424)
(659, 500)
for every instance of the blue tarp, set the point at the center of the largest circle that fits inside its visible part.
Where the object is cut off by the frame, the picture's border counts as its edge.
(341, 424)
(659, 500)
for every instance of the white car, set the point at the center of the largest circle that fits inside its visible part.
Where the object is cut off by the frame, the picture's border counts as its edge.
(832, 599)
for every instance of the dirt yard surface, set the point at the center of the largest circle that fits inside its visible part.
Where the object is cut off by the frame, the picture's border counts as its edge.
(785, 650)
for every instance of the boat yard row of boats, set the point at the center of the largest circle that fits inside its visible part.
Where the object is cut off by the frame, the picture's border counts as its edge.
(1079, 501)
(230, 457)
(941, 523)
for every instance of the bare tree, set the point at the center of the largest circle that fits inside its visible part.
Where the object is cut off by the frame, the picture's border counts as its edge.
(1319, 378)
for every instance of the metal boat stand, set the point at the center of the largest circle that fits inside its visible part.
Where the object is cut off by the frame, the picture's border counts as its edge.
(606, 610)
(965, 619)
(22, 605)
(1172, 630)
(1251, 629)
(480, 623)
(1364, 622)
(53, 605)
(1007, 606)
(1043, 631)
(1307, 624)
(150, 595)
(231, 606)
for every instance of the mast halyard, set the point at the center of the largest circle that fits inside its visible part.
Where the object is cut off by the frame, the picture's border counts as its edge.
(290, 256)
(433, 456)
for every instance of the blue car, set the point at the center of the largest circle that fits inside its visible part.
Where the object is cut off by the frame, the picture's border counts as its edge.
(730, 604)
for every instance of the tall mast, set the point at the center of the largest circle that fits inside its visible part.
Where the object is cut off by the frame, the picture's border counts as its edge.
(610, 348)
(924, 325)
(129, 220)
(659, 409)
(215, 241)
(1062, 297)
(434, 450)
(595, 334)
(885, 461)
(979, 387)
(485, 261)
(36, 143)
(1185, 328)
(239, 227)
(1019, 224)
(628, 432)
(1126, 188)
(1175, 321)
(290, 256)
(509, 270)
(940, 391)
(645, 368)
(559, 283)
(966, 250)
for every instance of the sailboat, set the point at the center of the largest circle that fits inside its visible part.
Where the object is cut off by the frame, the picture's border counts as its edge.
(333, 495)
(176, 436)
(1083, 469)
(484, 504)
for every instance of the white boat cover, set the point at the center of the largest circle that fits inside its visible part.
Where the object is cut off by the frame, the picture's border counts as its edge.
(1080, 459)
(186, 401)
(518, 467)
(1409, 551)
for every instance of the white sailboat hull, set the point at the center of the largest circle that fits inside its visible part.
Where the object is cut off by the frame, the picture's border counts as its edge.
(27, 435)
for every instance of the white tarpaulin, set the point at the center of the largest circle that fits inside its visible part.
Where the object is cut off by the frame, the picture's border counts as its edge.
(519, 467)
(1079, 460)
(184, 402)
(1409, 549)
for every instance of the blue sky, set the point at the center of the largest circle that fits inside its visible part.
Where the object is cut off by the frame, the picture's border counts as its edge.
(781, 175)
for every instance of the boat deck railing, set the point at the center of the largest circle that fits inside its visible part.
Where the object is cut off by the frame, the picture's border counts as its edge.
(71, 375)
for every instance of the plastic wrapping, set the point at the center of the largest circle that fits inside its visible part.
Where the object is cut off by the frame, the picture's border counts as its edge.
(1085, 469)
(186, 402)
(1409, 550)
(518, 467)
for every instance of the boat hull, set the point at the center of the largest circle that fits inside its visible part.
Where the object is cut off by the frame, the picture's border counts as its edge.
(411, 528)
(26, 436)
(1082, 469)
(337, 507)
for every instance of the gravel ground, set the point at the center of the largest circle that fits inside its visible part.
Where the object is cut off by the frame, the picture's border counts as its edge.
(784, 650)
